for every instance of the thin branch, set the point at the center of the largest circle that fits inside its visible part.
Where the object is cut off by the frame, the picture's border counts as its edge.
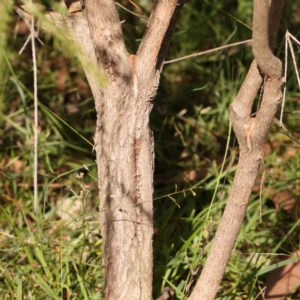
(251, 134)
(35, 93)
(288, 44)
(208, 51)
(131, 12)
(264, 37)
(25, 44)
(262, 182)
(27, 18)
(293, 56)
(284, 76)
(136, 6)
(293, 38)
(179, 192)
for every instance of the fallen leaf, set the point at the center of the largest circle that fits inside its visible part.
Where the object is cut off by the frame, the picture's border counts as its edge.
(282, 281)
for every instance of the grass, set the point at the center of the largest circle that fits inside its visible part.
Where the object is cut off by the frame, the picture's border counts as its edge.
(56, 254)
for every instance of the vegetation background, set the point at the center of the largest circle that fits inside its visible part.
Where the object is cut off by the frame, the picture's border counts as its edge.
(56, 253)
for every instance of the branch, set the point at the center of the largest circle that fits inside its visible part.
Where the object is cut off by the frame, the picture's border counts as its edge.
(208, 51)
(242, 106)
(131, 12)
(264, 36)
(251, 134)
(107, 37)
(100, 37)
(155, 43)
(56, 20)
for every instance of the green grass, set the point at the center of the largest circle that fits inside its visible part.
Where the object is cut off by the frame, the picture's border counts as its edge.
(57, 253)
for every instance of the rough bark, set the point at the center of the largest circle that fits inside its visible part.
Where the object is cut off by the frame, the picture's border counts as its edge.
(124, 145)
(251, 133)
(123, 139)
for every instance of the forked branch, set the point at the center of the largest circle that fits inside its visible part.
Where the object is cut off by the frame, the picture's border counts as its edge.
(109, 45)
(251, 134)
(264, 35)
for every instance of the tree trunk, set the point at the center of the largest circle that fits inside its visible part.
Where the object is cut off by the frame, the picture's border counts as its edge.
(125, 159)
(123, 139)
(124, 144)
(251, 133)
(123, 86)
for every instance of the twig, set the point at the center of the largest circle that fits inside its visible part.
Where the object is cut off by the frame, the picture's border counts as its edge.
(178, 192)
(207, 51)
(284, 76)
(131, 12)
(293, 55)
(27, 20)
(35, 97)
(137, 7)
(260, 192)
(288, 44)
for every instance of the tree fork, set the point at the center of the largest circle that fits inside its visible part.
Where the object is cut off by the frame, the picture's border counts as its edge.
(251, 134)
(123, 140)
(124, 143)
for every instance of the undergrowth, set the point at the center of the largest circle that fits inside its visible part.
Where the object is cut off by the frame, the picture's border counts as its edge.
(56, 253)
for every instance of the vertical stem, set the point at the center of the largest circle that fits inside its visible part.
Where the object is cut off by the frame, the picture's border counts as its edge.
(35, 147)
